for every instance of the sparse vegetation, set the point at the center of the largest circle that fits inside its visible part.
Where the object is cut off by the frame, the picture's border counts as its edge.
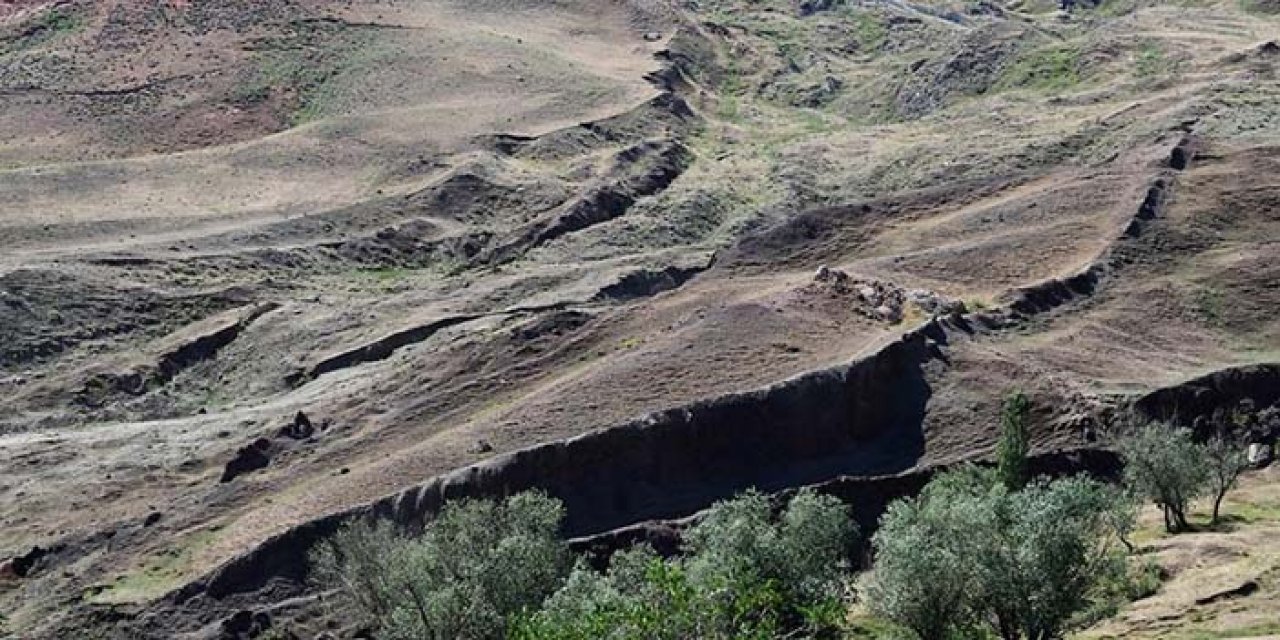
(1150, 61)
(869, 28)
(1046, 69)
(1211, 304)
(50, 25)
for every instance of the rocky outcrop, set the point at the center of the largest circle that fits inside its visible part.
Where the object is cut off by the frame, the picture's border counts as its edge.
(24, 565)
(971, 70)
(252, 457)
(664, 116)
(883, 301)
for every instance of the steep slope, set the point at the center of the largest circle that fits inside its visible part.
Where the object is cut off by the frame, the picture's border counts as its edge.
(485, 246)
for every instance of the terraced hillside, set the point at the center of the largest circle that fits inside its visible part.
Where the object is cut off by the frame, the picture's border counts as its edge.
(264, 265)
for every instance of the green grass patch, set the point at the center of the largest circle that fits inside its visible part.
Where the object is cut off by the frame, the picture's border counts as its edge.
(1150, 61)
(868, 627)
(977, 305)
(1046, 69)
(869, 30)
(1116, 8)
(161, 573)
(46, 27)
(1252, 512)
(1210, 305)
(317, 66)
(385, 274)
(729, 109)
(1251, 631)
(1266, 7)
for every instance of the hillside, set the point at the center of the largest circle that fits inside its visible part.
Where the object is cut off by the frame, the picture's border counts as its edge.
(486, 245)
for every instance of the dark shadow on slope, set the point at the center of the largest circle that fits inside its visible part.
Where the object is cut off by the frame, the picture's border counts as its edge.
(861, 419)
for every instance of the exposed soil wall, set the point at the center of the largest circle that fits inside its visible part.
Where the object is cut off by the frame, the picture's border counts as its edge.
(868, 499)
(859, 419)
(1193, 403)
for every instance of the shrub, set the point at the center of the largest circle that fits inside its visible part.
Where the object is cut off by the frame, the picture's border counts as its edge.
(969, 551)
(745, 574)
(475, 566)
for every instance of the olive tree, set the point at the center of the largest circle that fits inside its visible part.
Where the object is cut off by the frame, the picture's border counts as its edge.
(968, 551)
(1226, 458)
(924, 578)
(804, 550)
(1054, 545)
(745, 573)
(1165, 466)
(473, 568)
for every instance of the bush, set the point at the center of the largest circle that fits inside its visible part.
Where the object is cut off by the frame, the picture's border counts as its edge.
(923, 579)
(968, 551)
(478, 564)
(745, 574)
(1166, 467)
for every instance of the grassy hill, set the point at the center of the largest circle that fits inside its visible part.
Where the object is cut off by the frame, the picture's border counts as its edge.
(451, 231)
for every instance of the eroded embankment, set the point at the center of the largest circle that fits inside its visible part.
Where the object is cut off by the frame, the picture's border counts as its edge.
(859, 420)
(1193, 403)
(183, 352)
(868, 498)
(1048, 295)
(863, 418)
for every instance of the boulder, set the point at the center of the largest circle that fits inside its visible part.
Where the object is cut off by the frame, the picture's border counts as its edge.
(300, 429)
(248, 459)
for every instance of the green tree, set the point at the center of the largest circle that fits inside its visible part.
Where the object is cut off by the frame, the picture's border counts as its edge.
(1226, 458)
(1055, 544)
(968, 552)
(1165, 466)
(477, 565)
(923, 579)
(745, 574)
(1015, 442)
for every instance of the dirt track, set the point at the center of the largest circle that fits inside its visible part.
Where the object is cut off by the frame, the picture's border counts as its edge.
(449, 231)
